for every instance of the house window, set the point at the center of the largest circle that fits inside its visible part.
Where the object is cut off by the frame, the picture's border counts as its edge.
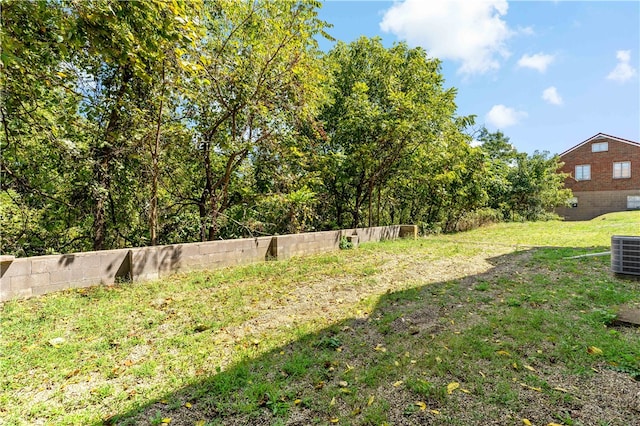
(622, 170)
(633, 201)
(573, 202)
(600, 147)
(583, 172)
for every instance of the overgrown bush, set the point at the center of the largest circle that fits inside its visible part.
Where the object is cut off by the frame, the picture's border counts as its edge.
(478, 218)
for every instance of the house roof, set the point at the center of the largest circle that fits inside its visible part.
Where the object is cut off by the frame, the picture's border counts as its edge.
(601, 136)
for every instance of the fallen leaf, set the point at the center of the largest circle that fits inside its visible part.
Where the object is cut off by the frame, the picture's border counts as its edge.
(200, 423)
(297, 401)
(554, 424)
(371, 399)
(452, 386)
(380, 348)
(343, 384)
(73, 373)
(398, 383)
(482, 374)
(333, 401)
(465, 390)
(502, 352)
(438, 359)
(528, 367)
(594, 350)
(201, 327)
(526, 422)
(561, 389)
(334, 420)
(345, 390)
(356, 411)
(188, 404)
(524, 385)
(166, 420)
(434, 411)
(515, 365)
(422, 405)
(57, 342)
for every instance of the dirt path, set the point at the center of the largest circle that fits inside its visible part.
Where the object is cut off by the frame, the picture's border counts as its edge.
(333, 298)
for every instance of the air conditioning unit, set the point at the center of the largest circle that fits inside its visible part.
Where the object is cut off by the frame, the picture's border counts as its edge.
(625, 255)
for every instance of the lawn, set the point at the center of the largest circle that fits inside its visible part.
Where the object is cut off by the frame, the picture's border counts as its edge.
(492, 326)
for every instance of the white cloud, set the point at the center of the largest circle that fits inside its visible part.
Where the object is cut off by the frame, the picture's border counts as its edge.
(551, 95)
(623, 70)
(623, 55)
(501, 116)
(471, 32)
(539, 61)
(526, 30)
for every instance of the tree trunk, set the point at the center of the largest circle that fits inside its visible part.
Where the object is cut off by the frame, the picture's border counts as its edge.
(103, 156)
(155, 172)
(378, 215)
(207, 194)
(356, 210)
(99, 216)
(215, 212)
(202, 210)
(370, 195)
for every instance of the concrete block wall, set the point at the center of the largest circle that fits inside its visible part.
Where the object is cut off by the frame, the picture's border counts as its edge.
(33, 276)
(595, 203)
(286, 246)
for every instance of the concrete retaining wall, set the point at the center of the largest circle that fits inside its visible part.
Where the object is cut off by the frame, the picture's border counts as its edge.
(33, 276)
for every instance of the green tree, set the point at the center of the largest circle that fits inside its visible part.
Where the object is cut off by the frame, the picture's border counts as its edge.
(520, 185)
(123, 49)
(42, 166)
(537, 186)
(442, 183)
(84, 91)
(501, 157)
(386, 103)
(260, 74)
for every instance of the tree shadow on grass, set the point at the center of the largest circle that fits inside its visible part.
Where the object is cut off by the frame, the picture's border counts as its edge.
(398, 363)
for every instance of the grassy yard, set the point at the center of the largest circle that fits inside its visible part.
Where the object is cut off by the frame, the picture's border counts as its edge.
(492, 326)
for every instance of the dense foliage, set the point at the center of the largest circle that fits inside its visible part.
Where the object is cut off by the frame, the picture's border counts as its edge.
(152, 122)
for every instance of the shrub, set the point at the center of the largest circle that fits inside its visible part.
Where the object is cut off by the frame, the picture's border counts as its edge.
(478, 218)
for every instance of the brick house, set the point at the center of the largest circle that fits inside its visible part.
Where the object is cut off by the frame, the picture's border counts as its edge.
(604, 175)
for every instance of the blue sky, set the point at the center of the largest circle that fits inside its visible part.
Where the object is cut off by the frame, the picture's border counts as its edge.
(549, 74)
